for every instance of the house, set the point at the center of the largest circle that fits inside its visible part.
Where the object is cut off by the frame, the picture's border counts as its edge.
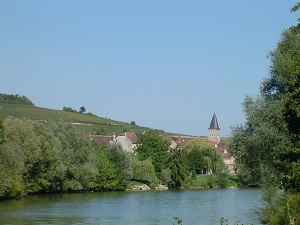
(133, 138)
(179, 143)
(125, 142)
(128, 140)
(102, 139)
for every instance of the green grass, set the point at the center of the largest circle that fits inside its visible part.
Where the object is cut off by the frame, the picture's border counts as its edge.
(205, 181)
(233, 181)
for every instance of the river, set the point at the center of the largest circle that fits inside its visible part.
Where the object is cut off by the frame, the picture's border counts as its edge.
(205, 207)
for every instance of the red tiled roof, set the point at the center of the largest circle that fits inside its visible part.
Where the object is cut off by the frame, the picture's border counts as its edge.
(132, 136)
(102, 140)
(167, 138)
(223, 148)
(181, 143)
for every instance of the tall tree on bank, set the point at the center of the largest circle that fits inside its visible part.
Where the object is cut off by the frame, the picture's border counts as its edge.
(199, 155)
(269, 141)
(152, 146)
(284, 84)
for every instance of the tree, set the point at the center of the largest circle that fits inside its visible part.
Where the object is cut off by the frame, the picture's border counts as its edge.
(143, 171)
(102, 131)
(82, 109)
(257, 145)
(152, 146)
(78, 159)
(177, 167)
(200, 155)
(68, 109)
(269, 142)
(107, 178)
(122, 162)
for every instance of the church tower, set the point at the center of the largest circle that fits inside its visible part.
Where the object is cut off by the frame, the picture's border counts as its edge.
(214, 130)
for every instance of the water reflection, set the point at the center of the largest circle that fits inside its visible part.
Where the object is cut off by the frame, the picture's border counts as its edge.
(193, 206)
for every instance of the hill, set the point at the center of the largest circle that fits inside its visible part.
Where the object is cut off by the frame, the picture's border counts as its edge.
(86, 123)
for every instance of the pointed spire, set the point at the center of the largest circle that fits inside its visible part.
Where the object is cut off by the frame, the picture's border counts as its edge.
(214, 123)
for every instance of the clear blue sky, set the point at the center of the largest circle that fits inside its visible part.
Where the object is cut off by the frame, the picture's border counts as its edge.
(164, 64)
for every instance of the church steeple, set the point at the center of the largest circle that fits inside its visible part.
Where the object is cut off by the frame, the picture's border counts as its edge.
(214, 130)
(214, 123)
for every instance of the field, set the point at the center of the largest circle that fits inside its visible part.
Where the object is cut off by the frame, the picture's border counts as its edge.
(85, 123)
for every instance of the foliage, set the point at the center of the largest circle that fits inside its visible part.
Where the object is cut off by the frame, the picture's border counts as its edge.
(200, 155)
(82, 109)
(108, 177)
(143, 171)
(281, 207)
(69, 109)
(267, 147)
(102, 131)
(222, 174)
(177, 167)
(35, 157)
(256, 144)
(152, 146)
(15, 99)
(122, 162)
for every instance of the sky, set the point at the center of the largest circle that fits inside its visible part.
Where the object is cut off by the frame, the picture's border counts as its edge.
(164, 64)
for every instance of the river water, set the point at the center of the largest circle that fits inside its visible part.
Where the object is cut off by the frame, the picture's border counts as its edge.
(205, 207)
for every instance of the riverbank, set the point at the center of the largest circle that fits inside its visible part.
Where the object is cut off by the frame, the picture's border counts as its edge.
(212, 181)
(198, 182)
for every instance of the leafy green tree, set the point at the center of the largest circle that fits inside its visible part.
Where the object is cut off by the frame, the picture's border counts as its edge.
(178, 169)
(11, 166)
(102, 131)
(152, 146)
(68, 109)
(15, 99)
(107, 178)
(143, 171)
(200, 155)
(269, 142)
(78, 158)
(258, 144)
(122, 162)
(221, 174)
(82, 109)
(166, 176)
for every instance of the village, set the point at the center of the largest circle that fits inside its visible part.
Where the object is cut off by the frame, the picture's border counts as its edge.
(129, 141)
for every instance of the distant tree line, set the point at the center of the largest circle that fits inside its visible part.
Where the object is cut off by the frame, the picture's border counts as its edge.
(39, 158)
(82, 110)
(15, 99)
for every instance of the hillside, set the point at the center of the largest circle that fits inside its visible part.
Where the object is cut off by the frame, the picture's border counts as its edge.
(85, 123)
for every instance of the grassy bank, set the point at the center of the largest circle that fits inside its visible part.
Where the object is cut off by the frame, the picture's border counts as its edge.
(210, 181)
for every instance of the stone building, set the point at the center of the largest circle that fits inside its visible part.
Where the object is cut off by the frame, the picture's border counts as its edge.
(214, 130)
(214, 139)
